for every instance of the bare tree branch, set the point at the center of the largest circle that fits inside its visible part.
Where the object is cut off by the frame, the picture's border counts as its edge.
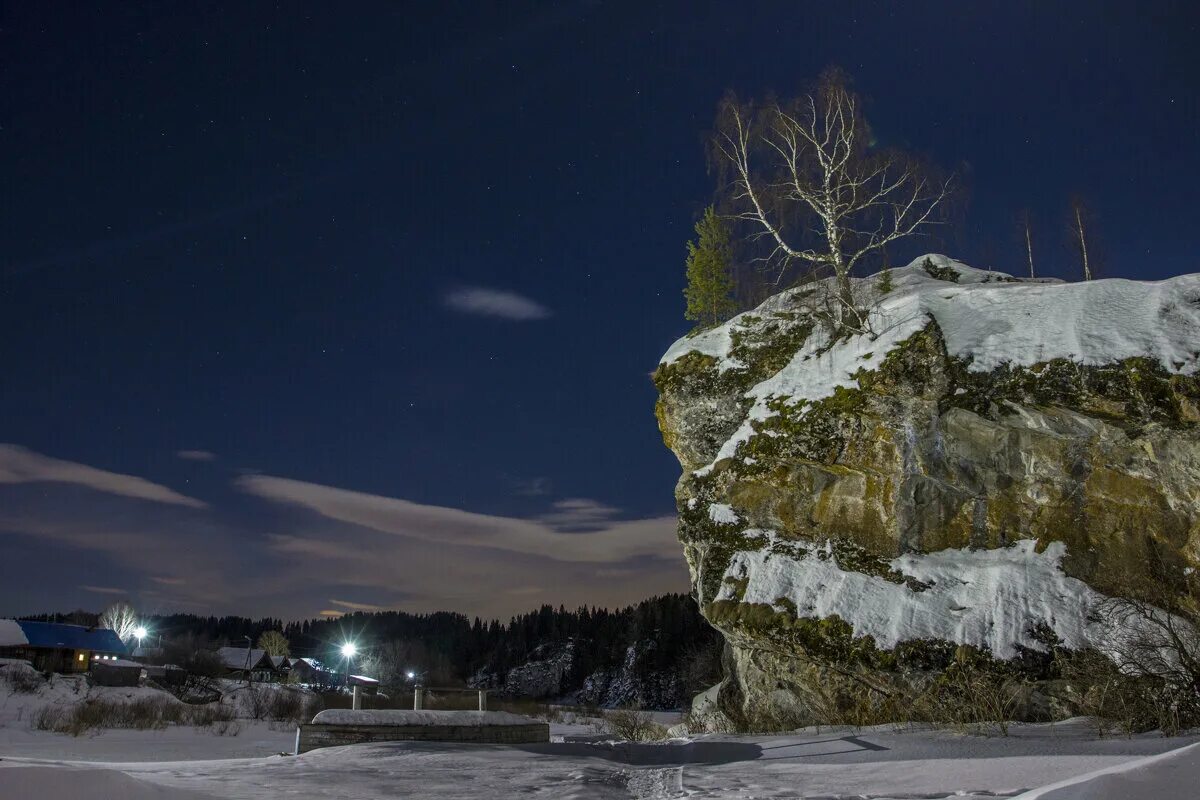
(811, 160)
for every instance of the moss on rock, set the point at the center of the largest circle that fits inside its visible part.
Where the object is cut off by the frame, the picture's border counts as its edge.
(920, 454)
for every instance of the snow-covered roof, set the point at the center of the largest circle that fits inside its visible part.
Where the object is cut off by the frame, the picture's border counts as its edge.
(56, 635)
(235, 658)
(311, 664)
(342, 716)
(11, 634)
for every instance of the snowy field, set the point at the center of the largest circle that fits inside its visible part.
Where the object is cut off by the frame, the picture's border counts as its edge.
(247, 759)
(838, 763)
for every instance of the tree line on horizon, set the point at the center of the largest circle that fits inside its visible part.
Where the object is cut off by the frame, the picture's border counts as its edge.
(449, 649)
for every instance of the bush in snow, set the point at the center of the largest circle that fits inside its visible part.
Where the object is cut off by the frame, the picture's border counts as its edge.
(142, 713)
(21, 678)
(630, 725)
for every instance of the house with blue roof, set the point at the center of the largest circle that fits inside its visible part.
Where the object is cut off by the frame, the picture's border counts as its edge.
(57, 647)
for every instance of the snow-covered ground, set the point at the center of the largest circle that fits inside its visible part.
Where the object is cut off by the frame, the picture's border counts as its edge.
(830, 763)
(175, 743)
(1055, 762)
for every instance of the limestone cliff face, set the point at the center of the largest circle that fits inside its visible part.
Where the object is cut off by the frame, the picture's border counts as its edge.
(978, 470)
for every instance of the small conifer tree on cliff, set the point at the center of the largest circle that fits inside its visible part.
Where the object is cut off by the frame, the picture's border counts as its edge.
(709, 290)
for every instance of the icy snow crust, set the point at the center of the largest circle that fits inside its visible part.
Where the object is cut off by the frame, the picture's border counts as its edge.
(987, 318)
(985, 598)
(342, 716)
(843, 762)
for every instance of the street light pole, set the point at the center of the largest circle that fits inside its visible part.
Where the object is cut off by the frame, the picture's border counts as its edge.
(348, 651)
(249, 676)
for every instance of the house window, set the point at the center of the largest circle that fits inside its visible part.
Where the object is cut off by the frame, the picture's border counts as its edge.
(82, 657)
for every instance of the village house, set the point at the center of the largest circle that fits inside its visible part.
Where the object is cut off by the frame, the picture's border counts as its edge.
(311, 672)
(253, 664)
(58, 647)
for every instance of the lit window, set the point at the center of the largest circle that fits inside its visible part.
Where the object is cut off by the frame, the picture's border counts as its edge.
(95, 658)
(82, 657)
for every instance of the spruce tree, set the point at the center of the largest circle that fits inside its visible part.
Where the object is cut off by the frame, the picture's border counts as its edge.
(709, 289)
(883, 283)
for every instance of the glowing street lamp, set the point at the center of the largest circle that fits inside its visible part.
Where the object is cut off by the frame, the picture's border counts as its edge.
(139, 633)
(348, 651)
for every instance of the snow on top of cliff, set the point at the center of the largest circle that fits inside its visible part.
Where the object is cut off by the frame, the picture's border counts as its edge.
(718, 341)
(985, 598)
(991, 318)
(987, 318)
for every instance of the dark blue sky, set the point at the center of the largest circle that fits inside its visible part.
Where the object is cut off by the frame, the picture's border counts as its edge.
(237, 228)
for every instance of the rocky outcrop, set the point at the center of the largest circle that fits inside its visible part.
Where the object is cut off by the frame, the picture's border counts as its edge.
(970, 478)
(635, 683)
(544, 674)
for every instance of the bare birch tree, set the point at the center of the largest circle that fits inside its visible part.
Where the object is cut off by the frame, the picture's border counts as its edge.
(1025, 229)
(808, 165)
(121, 618)
(275, 643)
(1079, 221)
(1154, 644)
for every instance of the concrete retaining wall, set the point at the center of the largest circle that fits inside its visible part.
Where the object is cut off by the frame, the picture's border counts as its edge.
(311, 737)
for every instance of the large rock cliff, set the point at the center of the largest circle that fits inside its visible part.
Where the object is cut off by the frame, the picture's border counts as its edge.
(966, 480)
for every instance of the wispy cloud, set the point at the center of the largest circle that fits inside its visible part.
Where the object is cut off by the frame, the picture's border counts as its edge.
(310, 548)
(196, 455)
(102, 589)
(579, 515)
(20, 465)
(497, 303)
(599, 538)
(352, 606)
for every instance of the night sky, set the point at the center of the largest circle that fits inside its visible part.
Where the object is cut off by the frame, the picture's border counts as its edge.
(320, 307)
